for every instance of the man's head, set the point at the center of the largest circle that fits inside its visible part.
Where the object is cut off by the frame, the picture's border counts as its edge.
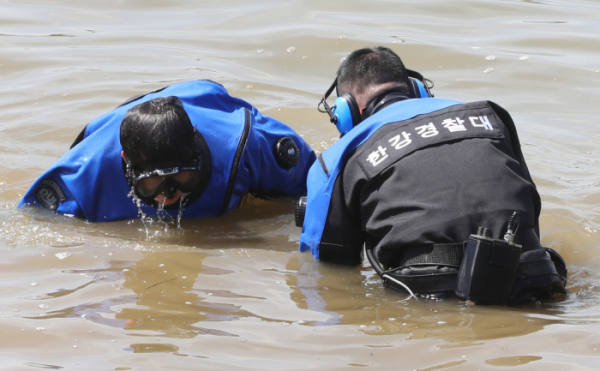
(160, 151)
(367, 72)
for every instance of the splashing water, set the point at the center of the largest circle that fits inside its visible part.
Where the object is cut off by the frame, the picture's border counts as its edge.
(163, 218)
(146, 220)
(181, 210)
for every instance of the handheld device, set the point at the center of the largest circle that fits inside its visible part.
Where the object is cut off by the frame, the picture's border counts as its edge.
(489, 267)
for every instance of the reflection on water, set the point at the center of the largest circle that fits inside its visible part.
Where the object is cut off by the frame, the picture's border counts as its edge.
(156, 301)
(233, 292)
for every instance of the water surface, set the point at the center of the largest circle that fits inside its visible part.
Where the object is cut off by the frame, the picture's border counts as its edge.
(233, 292)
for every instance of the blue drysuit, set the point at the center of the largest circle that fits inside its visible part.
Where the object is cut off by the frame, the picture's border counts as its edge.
(89, 181)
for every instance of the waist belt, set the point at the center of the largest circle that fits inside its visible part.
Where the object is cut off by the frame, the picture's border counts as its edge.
(447, 254)
(431, 254)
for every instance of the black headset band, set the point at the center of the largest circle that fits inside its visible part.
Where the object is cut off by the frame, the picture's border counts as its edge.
(384, 99)
(323, 102)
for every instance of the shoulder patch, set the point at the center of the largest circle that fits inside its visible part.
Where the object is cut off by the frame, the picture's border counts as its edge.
(47, 198)
(396, 140)
(50, 194)
(56, 188)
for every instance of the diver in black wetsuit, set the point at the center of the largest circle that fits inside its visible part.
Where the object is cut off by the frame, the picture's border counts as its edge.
(412, 177)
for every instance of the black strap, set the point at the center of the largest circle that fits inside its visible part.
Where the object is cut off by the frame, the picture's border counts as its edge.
(450, 254)
(425, 284)
(437, 253)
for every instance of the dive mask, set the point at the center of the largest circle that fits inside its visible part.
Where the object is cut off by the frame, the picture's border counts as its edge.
(167, 181)
(190, 177)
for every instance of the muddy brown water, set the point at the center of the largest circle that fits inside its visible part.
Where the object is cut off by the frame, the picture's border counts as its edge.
(234, 292)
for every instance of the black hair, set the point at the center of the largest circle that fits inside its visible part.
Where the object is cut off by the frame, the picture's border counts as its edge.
(158, 133)
(368, 67)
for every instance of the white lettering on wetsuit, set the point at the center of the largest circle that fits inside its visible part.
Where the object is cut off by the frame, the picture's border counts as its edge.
(396, 140)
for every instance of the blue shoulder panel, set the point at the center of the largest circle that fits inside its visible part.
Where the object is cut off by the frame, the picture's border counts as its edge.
(323, 174)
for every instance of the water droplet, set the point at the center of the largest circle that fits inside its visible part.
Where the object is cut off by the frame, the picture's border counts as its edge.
(488, 70)
(40, 328)
(243, 340)
(490, 57)
(35, 284)
(285, 324)
(161, 265)
(363, 326)
(75, 346)
(183, 277)
(391, 319)
(44, 306)
(248, 87)
(476, 47)
(188, 302)
(259, 50)
(441, 322)
(523, 58)
(290, 49)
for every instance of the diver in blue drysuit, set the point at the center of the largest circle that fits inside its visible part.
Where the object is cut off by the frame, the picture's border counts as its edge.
(410, 179)
(189, 145)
